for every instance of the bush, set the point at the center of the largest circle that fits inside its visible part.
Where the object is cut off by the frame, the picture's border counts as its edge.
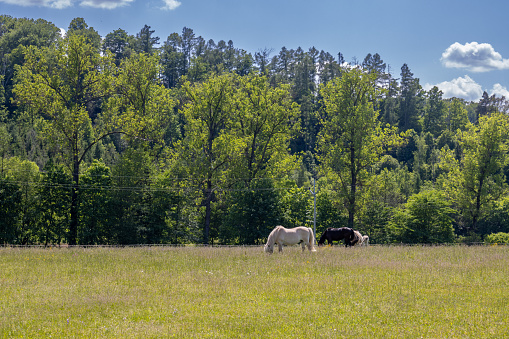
(497, 238)
(424, 219)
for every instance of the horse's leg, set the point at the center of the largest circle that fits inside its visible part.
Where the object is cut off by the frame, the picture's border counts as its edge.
(280, 246)
(303, 246)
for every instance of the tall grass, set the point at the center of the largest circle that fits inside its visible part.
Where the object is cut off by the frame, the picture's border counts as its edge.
(375, 292)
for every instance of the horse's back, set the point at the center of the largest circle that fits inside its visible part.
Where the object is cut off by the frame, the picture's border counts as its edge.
(292, 236)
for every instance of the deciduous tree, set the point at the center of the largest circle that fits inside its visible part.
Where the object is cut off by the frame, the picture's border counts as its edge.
(352, 139)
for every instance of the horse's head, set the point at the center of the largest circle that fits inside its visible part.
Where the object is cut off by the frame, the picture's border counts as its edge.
(268, 248)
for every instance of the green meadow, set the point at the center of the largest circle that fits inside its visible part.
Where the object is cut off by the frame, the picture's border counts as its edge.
(228, 292)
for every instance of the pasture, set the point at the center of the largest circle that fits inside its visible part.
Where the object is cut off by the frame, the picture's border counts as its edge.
(214, 292)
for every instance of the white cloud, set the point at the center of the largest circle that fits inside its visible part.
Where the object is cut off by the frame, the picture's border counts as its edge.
(105, 4)
(474, 57)
(58, 4)
(462, 87)
(171, 4)
(466, 88)
(500, 91)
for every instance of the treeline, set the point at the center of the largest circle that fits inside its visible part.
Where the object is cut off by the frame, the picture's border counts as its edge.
(132, 140)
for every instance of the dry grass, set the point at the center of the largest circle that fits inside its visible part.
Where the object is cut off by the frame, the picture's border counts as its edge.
(376, 292)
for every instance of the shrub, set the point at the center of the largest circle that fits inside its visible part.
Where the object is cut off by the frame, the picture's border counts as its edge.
(497, 238)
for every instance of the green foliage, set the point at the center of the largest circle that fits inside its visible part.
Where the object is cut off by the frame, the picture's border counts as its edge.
(15, 35)
(352, 139)
(497, 238)
(251, 213)
(79, 27)
(95, 205)
(434, 112)
(54, 204)
(496, 218)
(119, 43)
(296, 206)
(21, 215)
(411, 101)
(10, 211)
(475, 179)
(425, 218)
(191, 163)
(328, 210)
(130, 177)
(457, 116)
(264, 122)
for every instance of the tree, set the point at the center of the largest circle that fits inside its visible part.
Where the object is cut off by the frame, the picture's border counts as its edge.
(328, 68)
(251, 213)
(53, 204)
(457, 116)
(62, 84)
(434, 113)
(488, 105)
(142, 109)
(78, 26)
(119, 43)
(264, 122)
(188, 40)
(130, 176)
(476, 179)
(410, 105)
(352, 139)
(424, 219)
(15, 35)
(67, 83)
(262, 60)
(374, 63)
(145, 41)
(206, 148)
(96, 185)
(25, 176)
(172, 60)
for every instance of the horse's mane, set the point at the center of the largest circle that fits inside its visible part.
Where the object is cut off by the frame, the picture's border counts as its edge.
(357, 236)
(273, 235)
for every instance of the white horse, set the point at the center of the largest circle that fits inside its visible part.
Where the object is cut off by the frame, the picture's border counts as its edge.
(359, 239)
(290, 236)
(365, 240)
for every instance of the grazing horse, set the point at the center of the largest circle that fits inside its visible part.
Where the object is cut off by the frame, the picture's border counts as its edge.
(365, 240)
(337, 234)
(359, 239)
(290, 236)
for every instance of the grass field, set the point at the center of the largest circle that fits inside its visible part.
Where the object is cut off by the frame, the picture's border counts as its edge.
(203, 292)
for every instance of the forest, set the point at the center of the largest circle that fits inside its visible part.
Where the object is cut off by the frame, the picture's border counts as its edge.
(131, 139)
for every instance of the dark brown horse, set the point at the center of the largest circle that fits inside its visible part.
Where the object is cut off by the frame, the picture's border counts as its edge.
(337, 234)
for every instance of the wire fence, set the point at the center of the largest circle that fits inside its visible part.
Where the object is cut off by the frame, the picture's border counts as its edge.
(64, 246)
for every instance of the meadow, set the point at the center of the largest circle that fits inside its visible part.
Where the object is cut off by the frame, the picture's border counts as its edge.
(229, 292)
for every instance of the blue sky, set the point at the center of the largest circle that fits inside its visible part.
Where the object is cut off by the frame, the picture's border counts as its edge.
(461, 46)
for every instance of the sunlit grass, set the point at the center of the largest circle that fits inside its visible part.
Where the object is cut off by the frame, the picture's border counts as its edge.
(375, 292)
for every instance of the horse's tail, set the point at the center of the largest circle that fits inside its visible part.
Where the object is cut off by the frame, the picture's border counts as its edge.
(311, 239)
